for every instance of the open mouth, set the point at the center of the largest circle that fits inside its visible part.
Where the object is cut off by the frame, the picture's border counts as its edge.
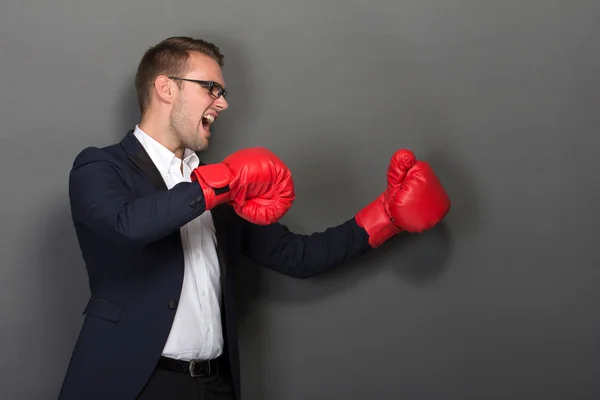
(207, 121)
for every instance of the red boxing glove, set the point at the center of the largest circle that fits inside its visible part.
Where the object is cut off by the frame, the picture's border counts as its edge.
(414, 201)
(254, 181)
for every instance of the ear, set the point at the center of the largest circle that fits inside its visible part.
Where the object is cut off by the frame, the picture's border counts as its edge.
(165, 88)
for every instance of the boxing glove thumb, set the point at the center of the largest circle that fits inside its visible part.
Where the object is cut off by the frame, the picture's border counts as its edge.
(375, 218)
(402, 161)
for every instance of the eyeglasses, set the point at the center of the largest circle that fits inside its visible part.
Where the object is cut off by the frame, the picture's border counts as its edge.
(215, 88)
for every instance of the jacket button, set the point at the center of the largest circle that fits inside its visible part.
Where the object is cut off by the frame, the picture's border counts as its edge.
(173, 304)
(193, 203)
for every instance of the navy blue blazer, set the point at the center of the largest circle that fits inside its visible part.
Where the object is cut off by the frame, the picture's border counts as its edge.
(127, 224)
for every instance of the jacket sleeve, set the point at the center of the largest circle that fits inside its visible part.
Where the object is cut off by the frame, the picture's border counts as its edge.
(101, 200)
(303, 256)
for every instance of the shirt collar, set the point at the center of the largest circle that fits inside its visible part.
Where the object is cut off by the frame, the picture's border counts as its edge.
(163, 158)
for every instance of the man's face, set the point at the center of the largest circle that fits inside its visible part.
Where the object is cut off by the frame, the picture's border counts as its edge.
(195, 109)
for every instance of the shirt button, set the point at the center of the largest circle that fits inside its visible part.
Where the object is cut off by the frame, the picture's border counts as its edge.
(197, 255)
(203, 293)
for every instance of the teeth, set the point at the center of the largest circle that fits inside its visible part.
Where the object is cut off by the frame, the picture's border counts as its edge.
(209, 118)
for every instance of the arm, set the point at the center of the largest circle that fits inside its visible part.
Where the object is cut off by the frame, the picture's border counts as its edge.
(303, 256)
(101, 200)
(414, 200)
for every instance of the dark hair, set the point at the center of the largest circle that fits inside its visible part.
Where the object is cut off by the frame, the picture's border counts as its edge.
(169, 57)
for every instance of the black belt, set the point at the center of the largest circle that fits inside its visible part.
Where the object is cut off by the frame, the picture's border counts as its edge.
(194, 368)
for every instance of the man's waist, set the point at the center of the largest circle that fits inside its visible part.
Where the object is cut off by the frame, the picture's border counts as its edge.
(194, 368)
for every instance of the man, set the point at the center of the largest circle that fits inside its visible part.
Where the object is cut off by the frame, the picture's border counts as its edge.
(161, 235)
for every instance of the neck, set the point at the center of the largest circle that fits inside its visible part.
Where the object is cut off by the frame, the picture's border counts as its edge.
(160, 130)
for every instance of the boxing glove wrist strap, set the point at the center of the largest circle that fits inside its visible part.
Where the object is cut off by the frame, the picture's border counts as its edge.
(377, 223)
(215, 180)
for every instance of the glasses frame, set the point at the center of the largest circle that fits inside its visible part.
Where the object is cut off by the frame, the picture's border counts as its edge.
(206, 84)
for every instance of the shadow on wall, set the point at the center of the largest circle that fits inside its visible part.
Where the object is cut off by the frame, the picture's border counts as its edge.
(418, 258)
(466, 213)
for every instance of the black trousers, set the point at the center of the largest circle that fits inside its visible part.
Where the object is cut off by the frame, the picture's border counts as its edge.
(169, 385)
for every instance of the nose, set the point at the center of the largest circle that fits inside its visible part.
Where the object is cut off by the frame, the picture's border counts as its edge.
(221, 103)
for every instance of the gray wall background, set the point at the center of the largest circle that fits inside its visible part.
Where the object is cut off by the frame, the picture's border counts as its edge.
(499, 302)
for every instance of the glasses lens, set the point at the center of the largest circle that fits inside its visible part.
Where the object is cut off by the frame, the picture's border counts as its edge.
(217, 90)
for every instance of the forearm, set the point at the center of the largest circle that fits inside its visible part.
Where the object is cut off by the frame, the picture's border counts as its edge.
(143, 220)
(304, 256)
(102, 201)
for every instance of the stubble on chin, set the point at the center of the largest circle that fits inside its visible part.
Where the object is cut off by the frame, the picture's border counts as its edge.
(187, 135)
(200, 145)
(196, 140)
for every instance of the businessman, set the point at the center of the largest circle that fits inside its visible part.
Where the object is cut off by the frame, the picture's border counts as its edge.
(162, 234)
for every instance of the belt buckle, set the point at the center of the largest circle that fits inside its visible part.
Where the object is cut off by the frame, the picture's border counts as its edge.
(193, 364)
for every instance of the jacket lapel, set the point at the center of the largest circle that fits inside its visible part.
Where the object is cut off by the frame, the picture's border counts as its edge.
(138, 155)
(219, 215)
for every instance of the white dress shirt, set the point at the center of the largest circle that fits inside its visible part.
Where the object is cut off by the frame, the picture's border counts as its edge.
(196, 332)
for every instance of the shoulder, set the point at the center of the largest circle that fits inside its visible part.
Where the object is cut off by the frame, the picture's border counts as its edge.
(111, 154)
(94, 164)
